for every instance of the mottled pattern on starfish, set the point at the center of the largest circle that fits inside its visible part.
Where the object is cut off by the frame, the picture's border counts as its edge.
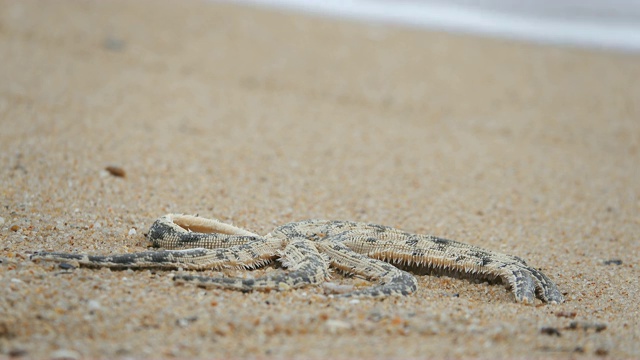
(309, 248)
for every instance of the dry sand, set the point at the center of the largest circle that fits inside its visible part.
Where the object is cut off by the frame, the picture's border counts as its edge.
(261, 118)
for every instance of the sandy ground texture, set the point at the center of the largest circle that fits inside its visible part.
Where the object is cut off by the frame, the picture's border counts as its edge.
(260, 118)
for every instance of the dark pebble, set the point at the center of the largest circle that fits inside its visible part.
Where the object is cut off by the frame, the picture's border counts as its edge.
(182, 322)
(566, 314)
(17, 352)
(551, 331)
(116, 171)
(65, 266)
(613, 262)
(574, 325)
(114, 44)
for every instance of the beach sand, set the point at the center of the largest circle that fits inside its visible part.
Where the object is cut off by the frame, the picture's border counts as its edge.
(260, 118)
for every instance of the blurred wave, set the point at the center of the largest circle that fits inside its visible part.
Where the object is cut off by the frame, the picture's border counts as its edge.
(604, 24)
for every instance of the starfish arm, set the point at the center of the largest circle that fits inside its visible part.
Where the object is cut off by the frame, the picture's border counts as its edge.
(250, 255)
(449, 256)
(392, 281)
(175, 231)
(545, 289)
(306, 267)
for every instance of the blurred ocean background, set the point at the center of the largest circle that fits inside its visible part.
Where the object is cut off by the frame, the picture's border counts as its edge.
(604, 24)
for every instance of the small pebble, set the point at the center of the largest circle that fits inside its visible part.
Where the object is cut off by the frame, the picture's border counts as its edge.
(584, 325)
(334, 288)
(132, 232)
(183, 322)
(94, 305)
(116, 171)
(66, 266)
(566, 314)
(613, 262)
(64, 354)
(1, 221)
(551, 331)
(15, 228)
(113, 44)
(17, 352)
(335, 326)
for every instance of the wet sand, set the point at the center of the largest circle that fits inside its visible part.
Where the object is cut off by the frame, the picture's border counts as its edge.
(260, 118)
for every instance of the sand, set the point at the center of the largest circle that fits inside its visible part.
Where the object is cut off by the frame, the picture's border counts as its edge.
(259, 118)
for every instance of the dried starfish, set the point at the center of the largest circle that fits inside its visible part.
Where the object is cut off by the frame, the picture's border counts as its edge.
(308, 248)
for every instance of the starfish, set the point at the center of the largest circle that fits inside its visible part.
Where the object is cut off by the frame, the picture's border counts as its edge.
(309, 248)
